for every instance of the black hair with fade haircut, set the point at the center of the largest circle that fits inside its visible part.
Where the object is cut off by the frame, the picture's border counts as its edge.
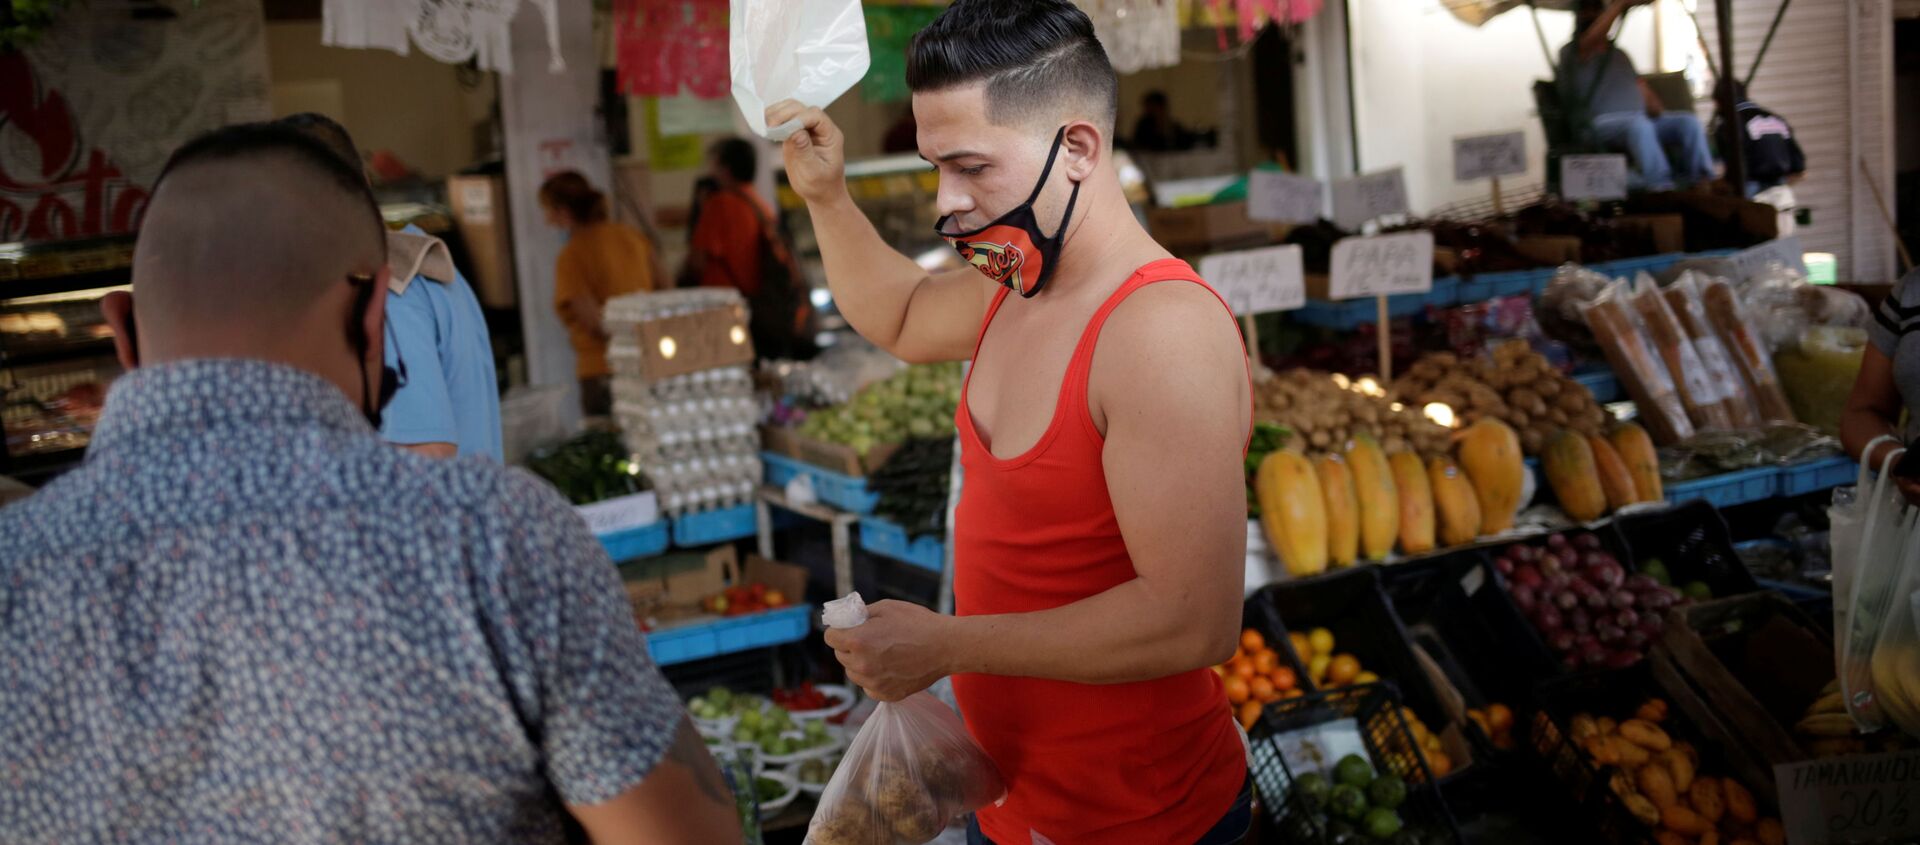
(328, 132)
(273, 138)
(1023, 50)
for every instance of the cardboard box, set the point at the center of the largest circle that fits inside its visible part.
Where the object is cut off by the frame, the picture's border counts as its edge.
(834, 457)
(689, 343)
(1201, 228)
(671, 588)
(480, 213)
(1549, 250)
(1667, 232)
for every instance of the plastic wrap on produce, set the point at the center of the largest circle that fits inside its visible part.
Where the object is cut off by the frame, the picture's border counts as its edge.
(1642, 372)
(1782, 304)
(1747, 348)
(1699, 394)
(1683, 298)
(1558, 311)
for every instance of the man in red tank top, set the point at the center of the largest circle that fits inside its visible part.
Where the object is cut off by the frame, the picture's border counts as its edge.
(1100, 536)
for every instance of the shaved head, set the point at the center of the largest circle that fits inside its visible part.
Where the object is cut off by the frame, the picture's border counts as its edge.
(248, 227)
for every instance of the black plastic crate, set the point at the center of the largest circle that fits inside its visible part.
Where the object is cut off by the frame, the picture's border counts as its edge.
(1453, 611)
(1500, 611)
(1515, 802)
(1390, 749)
(1350, 604)
(1616, 694)
(1693, 542)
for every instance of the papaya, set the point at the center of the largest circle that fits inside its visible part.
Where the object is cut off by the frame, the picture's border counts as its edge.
(1343, 509)
(1614, 479)
(1643, 464)
(1456, 506)
(1379, 501)
(1292, 512)
(1567, 461)
(1489, 451)
(1416, 502)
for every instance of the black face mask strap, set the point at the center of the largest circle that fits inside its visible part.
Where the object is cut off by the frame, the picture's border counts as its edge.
(1046, 171)
(357, 336)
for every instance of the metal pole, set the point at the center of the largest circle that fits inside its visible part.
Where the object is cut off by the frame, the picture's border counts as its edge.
(1778, 15)
(1730, 147)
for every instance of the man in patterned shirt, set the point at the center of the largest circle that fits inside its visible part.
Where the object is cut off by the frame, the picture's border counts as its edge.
(245, 618)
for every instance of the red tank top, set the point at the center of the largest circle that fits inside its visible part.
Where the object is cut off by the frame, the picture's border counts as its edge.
(1151, 762)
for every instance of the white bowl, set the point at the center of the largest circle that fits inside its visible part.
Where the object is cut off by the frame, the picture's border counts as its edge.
(836, 740)
(769, 809)
(844, 699)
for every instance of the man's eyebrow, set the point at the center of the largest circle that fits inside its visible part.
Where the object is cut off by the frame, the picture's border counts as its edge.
(956, 154)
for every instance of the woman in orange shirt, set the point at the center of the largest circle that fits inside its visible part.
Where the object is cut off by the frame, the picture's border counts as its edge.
(602, 259)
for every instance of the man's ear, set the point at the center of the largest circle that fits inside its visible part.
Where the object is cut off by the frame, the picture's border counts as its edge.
(374, 322)
(1083, 148)
(117, 307)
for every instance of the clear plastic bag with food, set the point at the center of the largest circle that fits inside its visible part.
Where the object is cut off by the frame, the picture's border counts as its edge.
(1878, 633)
(1698, 392)
(1782, 302)
(910, 770)
(1616, 328)
(1748, 348)
(1683, 297)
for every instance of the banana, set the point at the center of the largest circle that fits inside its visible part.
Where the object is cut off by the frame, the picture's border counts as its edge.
(1832, 702)
(1832, 687)
(1827, 724)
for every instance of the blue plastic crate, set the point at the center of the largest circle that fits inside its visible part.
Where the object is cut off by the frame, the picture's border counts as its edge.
(1348, 314)
(716, 526)
(631, 543)
(889, 540)
(845, 492)
(1628, 267)
(727, 636)
(1603, 384)
(1814, 476)
(1728, 489)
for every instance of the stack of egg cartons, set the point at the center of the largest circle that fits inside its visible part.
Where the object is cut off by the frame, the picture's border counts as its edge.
(694, 434)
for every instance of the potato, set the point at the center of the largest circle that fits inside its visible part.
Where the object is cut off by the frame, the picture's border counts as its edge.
(1739, 802)
(1681, 767)
(1654, 710)
(1643, 809)
(1707, 799)
(1668, 837)
(1547, 388)
(1583, 727)
(1557, 416)
(1645, 734)
(1630, 755)
(1684, 821)
(1607, 725)
(1657, 784)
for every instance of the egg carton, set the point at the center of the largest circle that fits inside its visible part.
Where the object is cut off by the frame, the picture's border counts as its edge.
(636, 308)
(630, 380)
(651, 453)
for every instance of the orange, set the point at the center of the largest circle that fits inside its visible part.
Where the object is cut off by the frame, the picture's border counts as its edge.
(1343, 669)
(1261, 689)
(1251, 641)
(1237, 690)
(1243, 667)
(1249, 714)
(1284, 678)
(1264, 661)
(1302, 648)
(1440, 763)
(1500, 716)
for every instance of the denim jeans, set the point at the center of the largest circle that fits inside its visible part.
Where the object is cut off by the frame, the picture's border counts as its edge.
(1645, 141)
(1230, 830)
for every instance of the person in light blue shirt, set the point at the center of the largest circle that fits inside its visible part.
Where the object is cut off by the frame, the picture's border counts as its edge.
(448, 401)
(1599, 84)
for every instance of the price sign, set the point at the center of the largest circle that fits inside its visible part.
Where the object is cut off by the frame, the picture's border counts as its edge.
(1382, 265)
(1854, 798)
(1276, 197)
(1786, 251)
(1363, 198)
(1256, 281)
(1593, 177)
(1477, 157)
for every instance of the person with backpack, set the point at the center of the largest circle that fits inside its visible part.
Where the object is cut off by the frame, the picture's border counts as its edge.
(736, 244)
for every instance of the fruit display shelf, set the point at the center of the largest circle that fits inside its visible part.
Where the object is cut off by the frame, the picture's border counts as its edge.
(888, 540)
(706, 528)
(715, 637)
(845, 492)
(634, 543)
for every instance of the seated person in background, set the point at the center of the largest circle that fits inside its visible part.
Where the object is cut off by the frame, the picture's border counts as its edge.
(448, 401)
(1598, 82)
(246, 617)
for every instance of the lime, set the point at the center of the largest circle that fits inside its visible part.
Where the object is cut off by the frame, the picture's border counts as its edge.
(1698, 591)
(1347, 802)
(1656, 570)
(1313, 786)
(1388, 792)
(1353, 770)
(1380, 823)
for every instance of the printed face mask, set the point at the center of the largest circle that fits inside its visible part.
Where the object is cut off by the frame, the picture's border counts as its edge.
(1011, 250)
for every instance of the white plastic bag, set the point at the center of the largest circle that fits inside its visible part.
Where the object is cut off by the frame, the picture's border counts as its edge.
(806, 50)
(910, 770)
(1887, 546)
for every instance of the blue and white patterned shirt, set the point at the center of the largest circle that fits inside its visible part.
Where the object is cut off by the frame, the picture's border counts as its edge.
(247, 619)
